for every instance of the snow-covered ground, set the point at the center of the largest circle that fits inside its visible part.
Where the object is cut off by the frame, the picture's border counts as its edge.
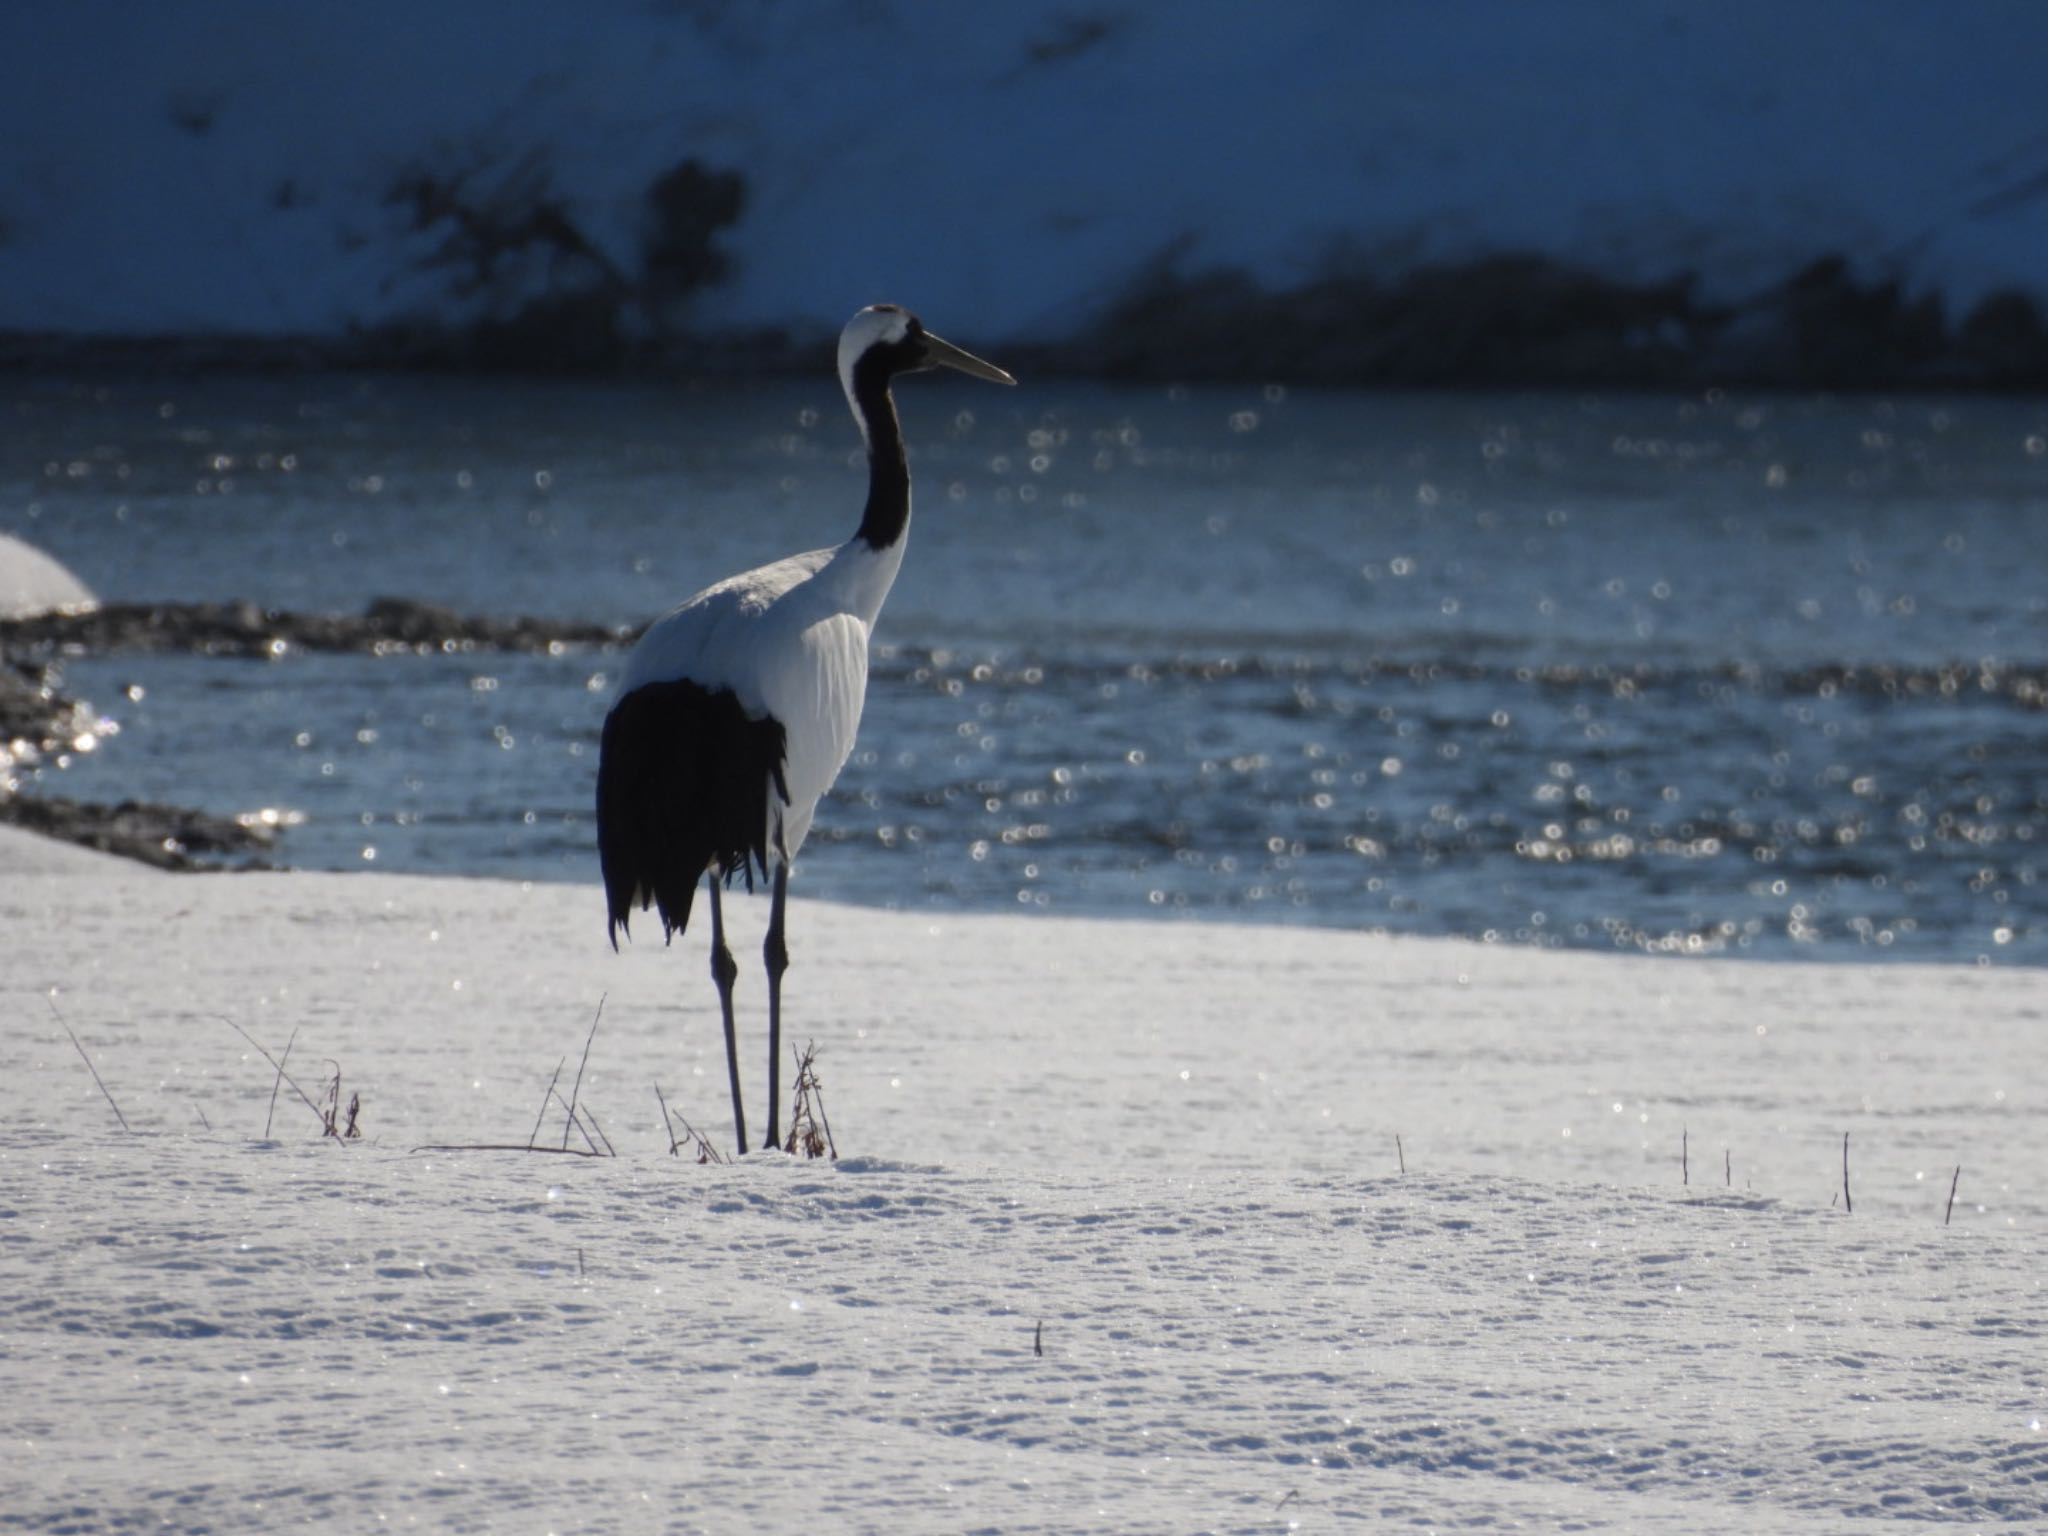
(1171, 1146)
(33, 582)
(238, 167)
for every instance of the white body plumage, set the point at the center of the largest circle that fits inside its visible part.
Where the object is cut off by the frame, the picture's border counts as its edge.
(790, 640)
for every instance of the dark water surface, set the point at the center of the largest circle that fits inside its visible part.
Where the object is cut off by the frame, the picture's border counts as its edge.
(1736, 674)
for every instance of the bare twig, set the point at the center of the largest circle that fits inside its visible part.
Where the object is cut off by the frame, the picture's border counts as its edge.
(1727, 1169)
(576, 1088)
(824, 1119)
(506, 1146)
(1400, 1155)
(590, 1119)
(572, 1117)
(665, 1120)
(1952, 1183)
(580, 1116)
(544, 1099)
(1038, 1339)
(95, 1071)
(336, 1127)
(261, 1050)
(1685, 1157)
(330, 1109)
(278, 1081)
(706, 1153)
(1848, 1205)
(808, 1133)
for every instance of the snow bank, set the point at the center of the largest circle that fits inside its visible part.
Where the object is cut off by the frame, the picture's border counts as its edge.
(32, 582)
(1119, 1239)
(1041, 1041)
(245, 169)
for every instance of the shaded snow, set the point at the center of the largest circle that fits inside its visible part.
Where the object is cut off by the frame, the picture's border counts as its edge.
(1172, 1145)
(228, 168)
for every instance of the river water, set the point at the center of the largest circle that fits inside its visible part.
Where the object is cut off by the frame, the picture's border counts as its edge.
(1712, 674)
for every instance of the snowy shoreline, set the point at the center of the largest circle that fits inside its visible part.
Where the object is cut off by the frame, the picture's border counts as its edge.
(1369, 1036)
(1162, 1154)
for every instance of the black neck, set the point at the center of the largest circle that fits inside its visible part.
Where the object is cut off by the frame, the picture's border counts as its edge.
(887, 514)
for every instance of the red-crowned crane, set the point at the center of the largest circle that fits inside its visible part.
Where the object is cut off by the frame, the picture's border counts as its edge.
(739, 708)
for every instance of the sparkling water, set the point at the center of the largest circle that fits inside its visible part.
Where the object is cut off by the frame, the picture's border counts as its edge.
(1714, 674)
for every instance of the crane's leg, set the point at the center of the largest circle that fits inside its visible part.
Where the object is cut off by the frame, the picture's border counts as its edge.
(776, 953)
(723, 972)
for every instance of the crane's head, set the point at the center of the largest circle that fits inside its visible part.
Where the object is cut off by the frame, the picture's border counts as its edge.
(883, 341)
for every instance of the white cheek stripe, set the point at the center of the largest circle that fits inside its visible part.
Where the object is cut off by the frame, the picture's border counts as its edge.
(870, 328)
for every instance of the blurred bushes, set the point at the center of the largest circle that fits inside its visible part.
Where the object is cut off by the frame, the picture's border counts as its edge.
(536, 292)
(1528, 321)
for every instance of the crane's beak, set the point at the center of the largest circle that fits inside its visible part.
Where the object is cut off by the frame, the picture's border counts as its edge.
(943, 354)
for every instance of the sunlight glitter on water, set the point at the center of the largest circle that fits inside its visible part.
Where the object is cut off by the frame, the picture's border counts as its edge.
(1690, 676)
